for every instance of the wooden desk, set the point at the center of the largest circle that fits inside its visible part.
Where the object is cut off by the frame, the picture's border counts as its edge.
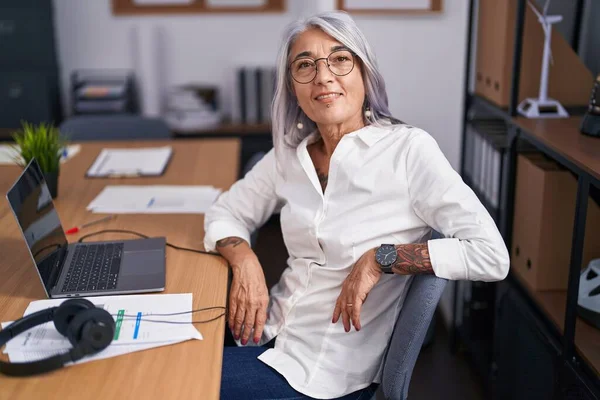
(563, 136)
(187, 370)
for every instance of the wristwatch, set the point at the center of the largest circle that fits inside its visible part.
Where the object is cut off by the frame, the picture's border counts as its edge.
(386, 256)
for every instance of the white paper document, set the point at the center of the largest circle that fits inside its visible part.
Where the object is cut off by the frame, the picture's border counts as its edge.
(131, 162)
(142, 322)
(155, 199)
(110, 351)
(10, 154)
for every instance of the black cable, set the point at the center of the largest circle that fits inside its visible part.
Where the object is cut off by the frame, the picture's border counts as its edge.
(134, 317)
(55, 245)
(177, 322)
(81, 240)
(193, 311)
(145, 237)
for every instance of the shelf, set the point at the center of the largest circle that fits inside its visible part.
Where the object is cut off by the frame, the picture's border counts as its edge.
(228, 129)
(552, 303)
(488, 107)
(559, 139)
(562, 140)
(495, 132)
(486, 203)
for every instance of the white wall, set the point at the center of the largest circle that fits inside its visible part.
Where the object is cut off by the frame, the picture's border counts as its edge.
(198, 49)
(421, 57)
(422, 60)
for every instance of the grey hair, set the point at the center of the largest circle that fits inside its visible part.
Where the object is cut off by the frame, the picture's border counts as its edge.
(286, 112)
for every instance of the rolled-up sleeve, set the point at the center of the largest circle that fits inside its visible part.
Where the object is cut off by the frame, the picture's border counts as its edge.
(245, 206)
(472, 247)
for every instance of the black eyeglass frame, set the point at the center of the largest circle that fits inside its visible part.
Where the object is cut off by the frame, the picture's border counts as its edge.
(317, 65)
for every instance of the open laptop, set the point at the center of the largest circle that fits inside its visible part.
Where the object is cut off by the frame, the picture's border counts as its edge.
(81, 269)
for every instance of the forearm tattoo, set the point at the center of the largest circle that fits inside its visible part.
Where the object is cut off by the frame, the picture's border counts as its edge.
(230, 241)
(412, 259)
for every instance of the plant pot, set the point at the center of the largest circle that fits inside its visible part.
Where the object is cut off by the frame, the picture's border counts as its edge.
(51, 179)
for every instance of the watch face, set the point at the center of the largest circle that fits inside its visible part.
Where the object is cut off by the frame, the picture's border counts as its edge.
(386, 255)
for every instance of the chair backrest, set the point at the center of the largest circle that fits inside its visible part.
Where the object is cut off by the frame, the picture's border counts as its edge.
(411, 327)
(114, 127)
(254, 159)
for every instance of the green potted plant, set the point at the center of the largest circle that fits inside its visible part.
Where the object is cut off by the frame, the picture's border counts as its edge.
(44, 143)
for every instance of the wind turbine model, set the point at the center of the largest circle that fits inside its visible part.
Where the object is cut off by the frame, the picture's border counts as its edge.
(544, 107)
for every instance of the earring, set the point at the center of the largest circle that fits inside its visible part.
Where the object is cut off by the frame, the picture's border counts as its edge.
(300, 125)
(368, 113)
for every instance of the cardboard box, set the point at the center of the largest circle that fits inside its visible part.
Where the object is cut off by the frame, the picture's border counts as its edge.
(544, 216)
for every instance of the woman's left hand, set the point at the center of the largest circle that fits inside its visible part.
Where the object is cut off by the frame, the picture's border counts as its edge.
(355, 289)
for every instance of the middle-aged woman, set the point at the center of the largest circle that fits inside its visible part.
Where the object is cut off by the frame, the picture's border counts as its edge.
(359, 193)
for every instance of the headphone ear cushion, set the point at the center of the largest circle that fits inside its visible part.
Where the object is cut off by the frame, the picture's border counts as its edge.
(67, 310)
(92, 330)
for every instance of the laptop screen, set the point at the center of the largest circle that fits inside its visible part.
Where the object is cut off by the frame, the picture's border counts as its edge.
(32, 205)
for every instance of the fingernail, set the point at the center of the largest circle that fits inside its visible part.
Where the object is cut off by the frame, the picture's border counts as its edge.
(236, 337)
(333, 321)
(256, 340)
(244, 342)
(347, 330)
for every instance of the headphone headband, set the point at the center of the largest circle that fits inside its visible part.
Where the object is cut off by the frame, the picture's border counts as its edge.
(21, 325)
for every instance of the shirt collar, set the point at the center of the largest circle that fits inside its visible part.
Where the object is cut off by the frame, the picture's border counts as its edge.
(369, 134)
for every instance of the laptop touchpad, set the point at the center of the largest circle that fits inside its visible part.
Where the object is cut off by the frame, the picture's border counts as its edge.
(142, 262)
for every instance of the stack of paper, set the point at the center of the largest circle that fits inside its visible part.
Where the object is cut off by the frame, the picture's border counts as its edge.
(154, 199)
(136, 320)
(130, 162)
(9, 154)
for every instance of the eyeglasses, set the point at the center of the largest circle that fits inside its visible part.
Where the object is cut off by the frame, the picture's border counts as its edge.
(340, 63)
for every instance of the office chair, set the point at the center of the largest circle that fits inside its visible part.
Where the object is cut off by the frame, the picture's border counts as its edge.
(114, 127)
(409, 333)
(254, 159)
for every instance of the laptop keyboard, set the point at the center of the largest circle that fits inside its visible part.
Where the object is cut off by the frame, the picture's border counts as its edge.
(94, 267)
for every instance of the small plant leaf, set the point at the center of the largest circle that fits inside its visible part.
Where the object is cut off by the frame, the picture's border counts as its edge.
(42, 142)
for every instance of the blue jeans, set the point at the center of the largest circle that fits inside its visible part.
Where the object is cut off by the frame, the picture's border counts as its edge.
(245, 377)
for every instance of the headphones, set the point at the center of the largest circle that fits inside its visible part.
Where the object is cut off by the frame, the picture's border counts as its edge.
(89, 329)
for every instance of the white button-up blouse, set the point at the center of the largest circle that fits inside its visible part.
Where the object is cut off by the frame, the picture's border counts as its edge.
(389, 184)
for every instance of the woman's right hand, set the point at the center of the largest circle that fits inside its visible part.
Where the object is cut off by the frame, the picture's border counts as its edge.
(248, 295)
(248, 300)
